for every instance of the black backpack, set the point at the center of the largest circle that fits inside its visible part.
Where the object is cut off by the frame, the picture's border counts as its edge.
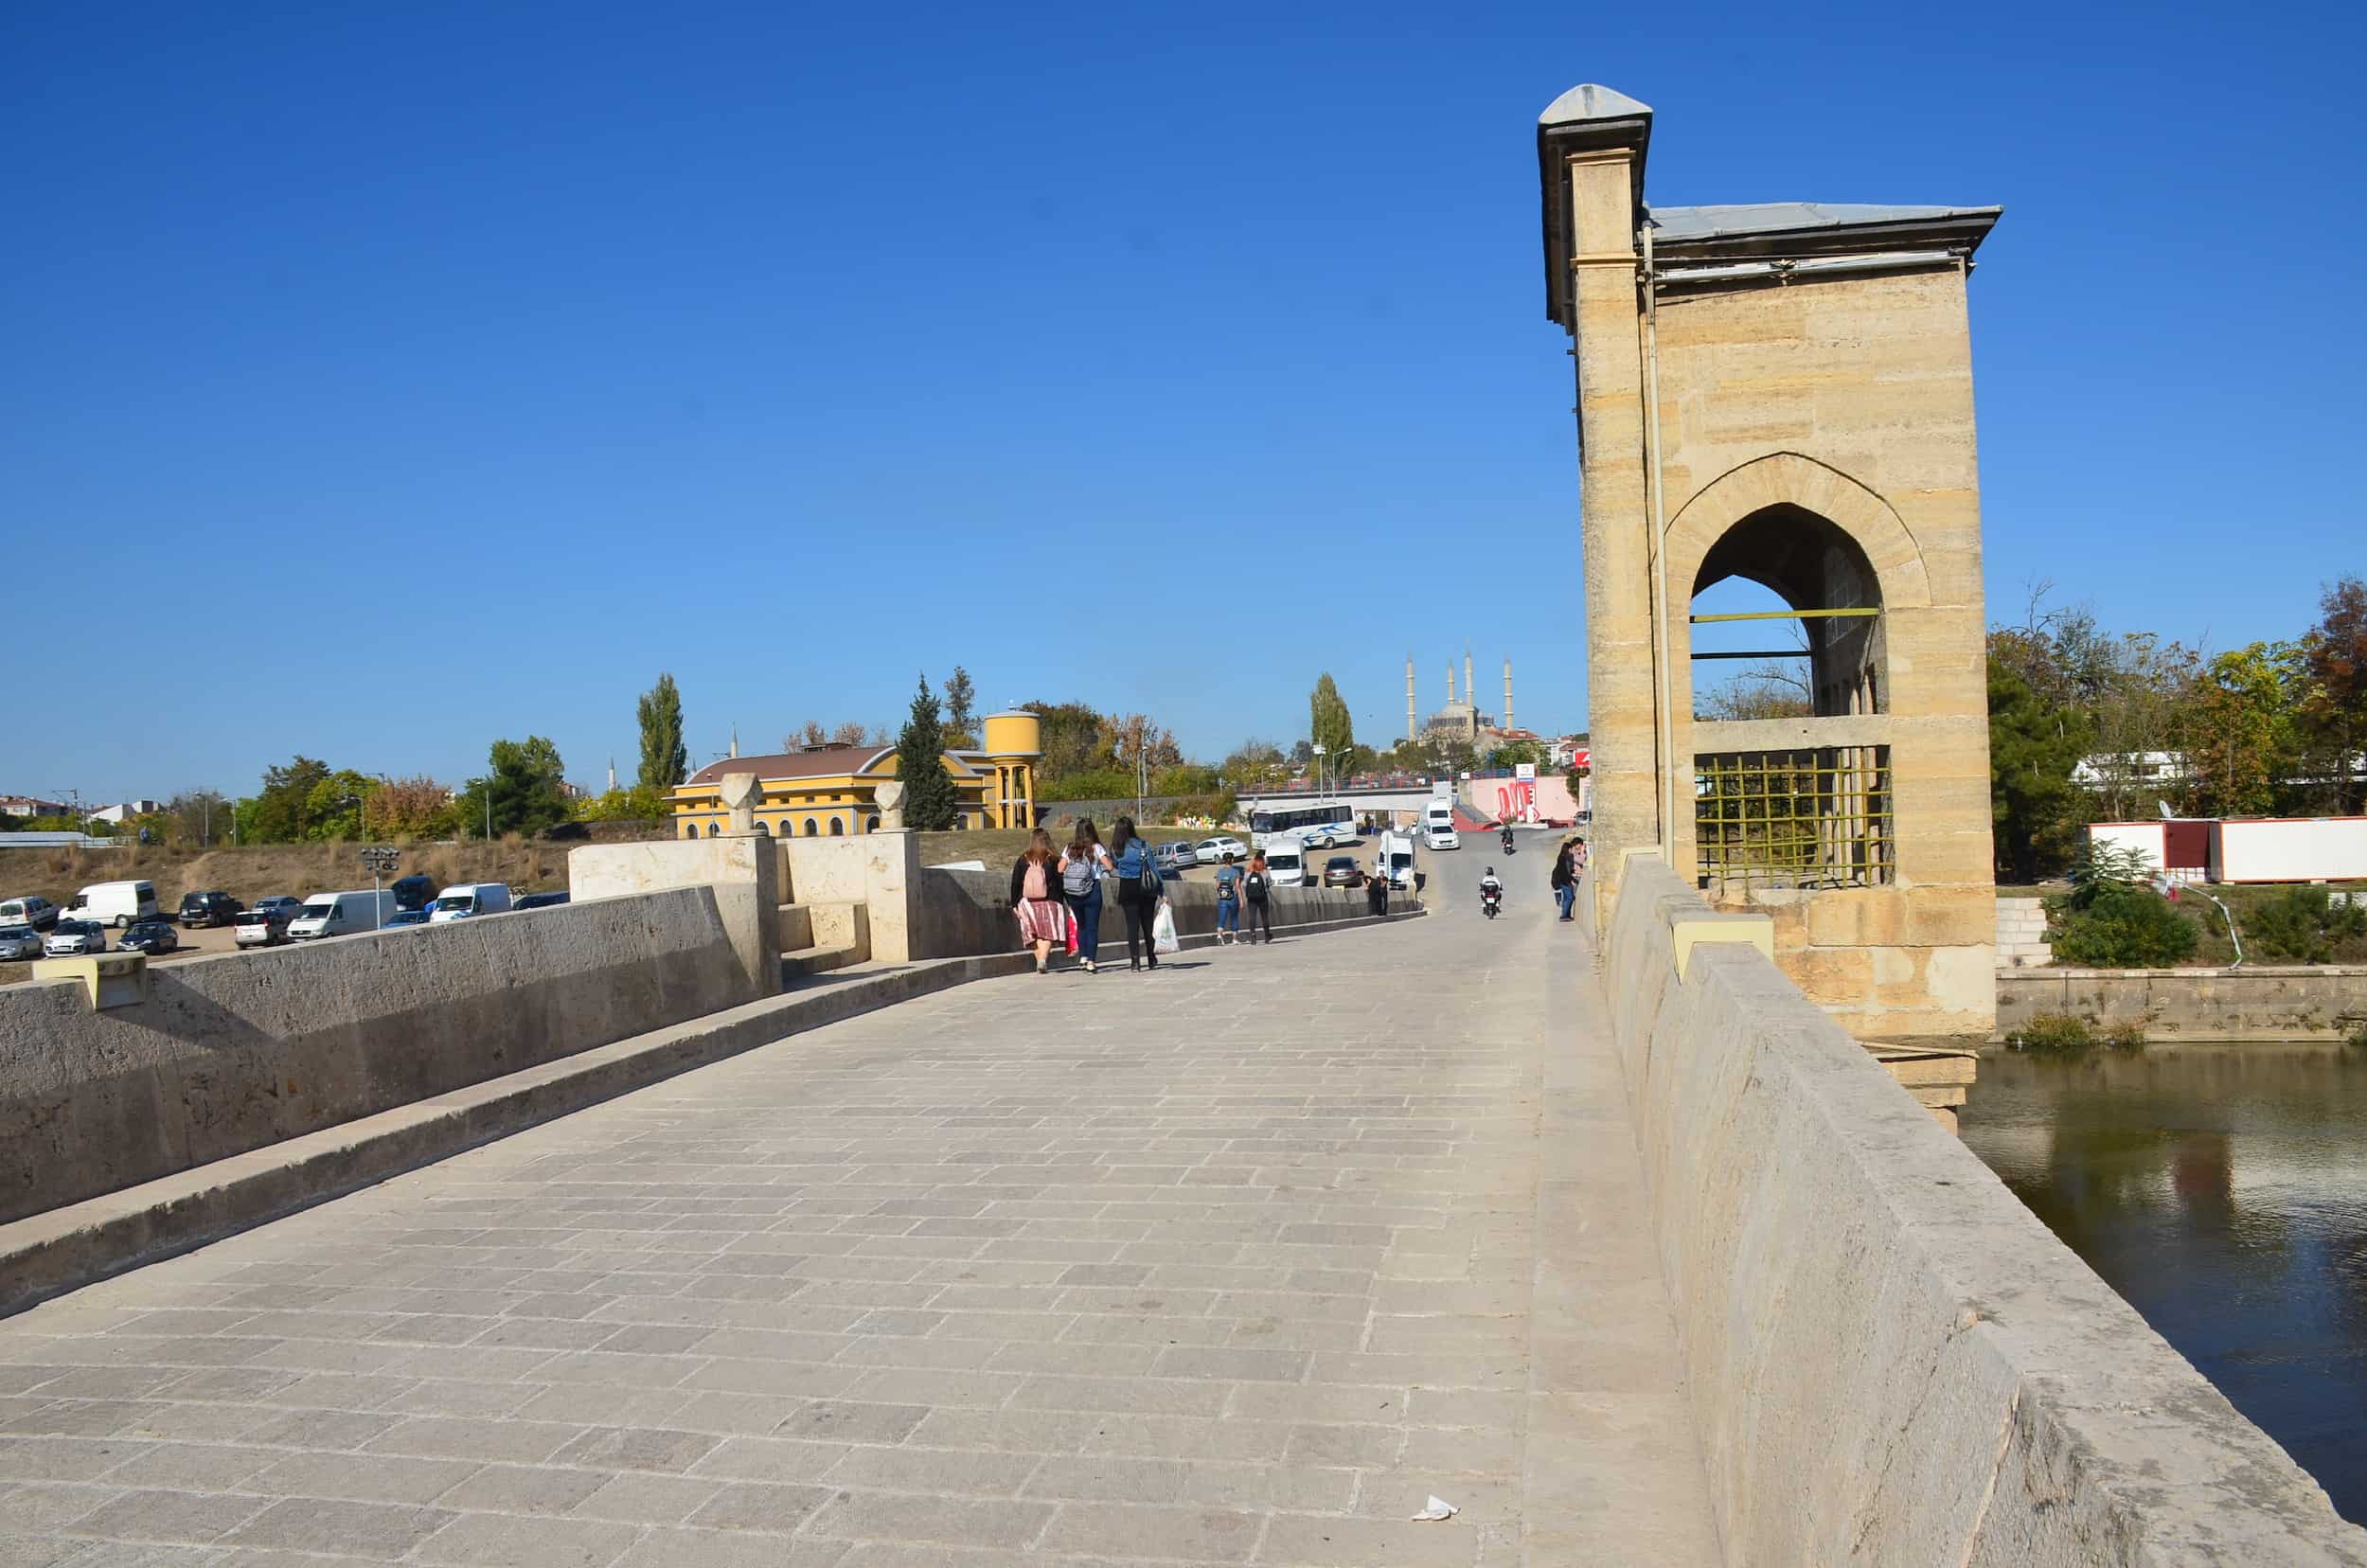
(1255, 885)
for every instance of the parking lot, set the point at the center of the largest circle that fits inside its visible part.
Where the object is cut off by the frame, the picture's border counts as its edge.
(205, 939)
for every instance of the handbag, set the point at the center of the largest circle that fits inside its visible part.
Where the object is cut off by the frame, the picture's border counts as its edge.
(1146, 879)
(1163, 939)
(1071, 933)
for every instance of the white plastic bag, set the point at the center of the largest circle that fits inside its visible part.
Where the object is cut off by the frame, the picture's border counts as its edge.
(1163, 931)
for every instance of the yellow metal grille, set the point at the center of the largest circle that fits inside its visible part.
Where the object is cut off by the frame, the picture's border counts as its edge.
(1819, 817)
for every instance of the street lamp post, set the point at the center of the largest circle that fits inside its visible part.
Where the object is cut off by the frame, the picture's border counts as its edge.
(1319, 775)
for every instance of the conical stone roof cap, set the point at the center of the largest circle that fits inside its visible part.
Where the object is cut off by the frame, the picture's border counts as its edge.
(1591, 102)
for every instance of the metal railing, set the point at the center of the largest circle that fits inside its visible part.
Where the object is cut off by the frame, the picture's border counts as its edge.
(1810, 818)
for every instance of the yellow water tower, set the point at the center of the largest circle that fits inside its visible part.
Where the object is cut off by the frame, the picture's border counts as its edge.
(1013, 742)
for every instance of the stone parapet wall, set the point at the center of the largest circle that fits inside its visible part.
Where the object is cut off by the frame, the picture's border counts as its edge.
(230, 1053)
(1890, 1360)
(2298, 1002)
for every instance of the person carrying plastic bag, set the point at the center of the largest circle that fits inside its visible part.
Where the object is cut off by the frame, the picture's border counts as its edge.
(1141, 893)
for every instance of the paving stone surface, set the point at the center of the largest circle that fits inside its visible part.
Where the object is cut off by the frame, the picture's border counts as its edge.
(1235, 1263)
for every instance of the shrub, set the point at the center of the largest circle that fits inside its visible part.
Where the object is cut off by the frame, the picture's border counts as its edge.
(2124, 1037)
(2357, 1038)
(2116, 925)
(2053, 1034)
(2305, 924)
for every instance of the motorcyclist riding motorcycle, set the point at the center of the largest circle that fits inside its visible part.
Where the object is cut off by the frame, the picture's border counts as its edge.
(1491, 893)
(1508, 838)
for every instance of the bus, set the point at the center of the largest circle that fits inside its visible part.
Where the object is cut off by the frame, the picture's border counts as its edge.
(1333, 822)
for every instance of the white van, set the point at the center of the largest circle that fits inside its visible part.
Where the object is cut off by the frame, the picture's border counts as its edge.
(115, 904)
(1286, 863)
(38, 913)
(1395, 859)
(341, 914)
(462, 899)
(1440, 834)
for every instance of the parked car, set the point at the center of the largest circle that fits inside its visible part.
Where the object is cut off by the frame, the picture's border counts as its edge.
(72, 938)
(1285, 864)
(38, 913)
(1342, 871)
(19, 941)
(540, 900)
(465, 900)
(114, 902)
(341, 913)
(1212, 851)
(413, 892)
(263, 927)
(151, 937)
(209, 909)
(1178, 856)
(280, 904)
(406, 919)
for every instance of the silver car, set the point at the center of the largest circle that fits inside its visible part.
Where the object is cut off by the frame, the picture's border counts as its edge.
(72, 938)
(19, 941)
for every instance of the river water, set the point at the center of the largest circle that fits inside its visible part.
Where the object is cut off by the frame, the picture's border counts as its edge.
(2222, 1191)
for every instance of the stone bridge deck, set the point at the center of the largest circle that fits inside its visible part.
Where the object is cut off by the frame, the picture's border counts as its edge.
(1234, 1263)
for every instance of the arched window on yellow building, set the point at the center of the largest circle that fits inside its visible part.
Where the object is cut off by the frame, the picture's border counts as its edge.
(837, 829)
(813, 829)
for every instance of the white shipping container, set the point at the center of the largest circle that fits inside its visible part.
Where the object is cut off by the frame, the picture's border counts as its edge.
(2288, 850)
(2144, 837)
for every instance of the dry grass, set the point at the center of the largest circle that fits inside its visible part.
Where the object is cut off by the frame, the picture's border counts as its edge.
(530, 866)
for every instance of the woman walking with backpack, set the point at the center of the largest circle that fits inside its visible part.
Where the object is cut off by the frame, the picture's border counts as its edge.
(1228, 901)
(1081, 870)
(1035, 899)
(1140, 888)
(1258, 889)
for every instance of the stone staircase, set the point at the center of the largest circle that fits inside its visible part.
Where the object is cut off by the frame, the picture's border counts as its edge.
(2021, 934)
(817, 937)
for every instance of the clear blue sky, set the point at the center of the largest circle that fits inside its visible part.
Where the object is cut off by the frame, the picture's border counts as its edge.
(434, 373)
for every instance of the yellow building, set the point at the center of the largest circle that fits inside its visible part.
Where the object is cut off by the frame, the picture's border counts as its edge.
(826, 792)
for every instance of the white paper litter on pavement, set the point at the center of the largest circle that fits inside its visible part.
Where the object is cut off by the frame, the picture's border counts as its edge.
(1439, 1509)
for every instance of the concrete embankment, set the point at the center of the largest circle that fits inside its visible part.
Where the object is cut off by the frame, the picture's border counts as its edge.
(1890, 1359)
(231, 1053)
(2255, 1002)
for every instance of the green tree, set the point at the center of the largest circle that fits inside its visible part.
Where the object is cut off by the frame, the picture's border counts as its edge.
(1071, 740)
(2034, 745)
(1327, 721)
(199, 817)
(336, 807)
(961, 719)
(2334, 699)
(1513, 753)
(664, 762)
(1255, 764)
(930, 803)
(2237, 729)
(520, 794)
(282, 809)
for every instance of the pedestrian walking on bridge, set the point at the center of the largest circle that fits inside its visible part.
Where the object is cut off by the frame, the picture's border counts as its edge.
(1035, 899)
(1140, 890)
(1081, 870)
(1257, 894)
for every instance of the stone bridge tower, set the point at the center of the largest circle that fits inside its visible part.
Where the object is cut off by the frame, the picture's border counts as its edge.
(1783, 392)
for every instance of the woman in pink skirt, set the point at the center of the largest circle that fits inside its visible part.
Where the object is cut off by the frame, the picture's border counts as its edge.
(1035, 899)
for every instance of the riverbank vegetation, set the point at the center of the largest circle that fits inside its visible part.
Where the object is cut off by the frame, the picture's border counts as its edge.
(2067, 1034)
(2090, 726)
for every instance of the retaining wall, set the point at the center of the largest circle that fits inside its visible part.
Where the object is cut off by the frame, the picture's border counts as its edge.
(1890, 1360)
(233, 1052)
(2297, 1002)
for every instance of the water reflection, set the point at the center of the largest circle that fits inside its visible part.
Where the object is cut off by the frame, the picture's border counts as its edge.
(2222, 1191)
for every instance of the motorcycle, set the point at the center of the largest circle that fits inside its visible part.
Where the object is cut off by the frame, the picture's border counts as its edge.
(1508, 841)
(1491, 898)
